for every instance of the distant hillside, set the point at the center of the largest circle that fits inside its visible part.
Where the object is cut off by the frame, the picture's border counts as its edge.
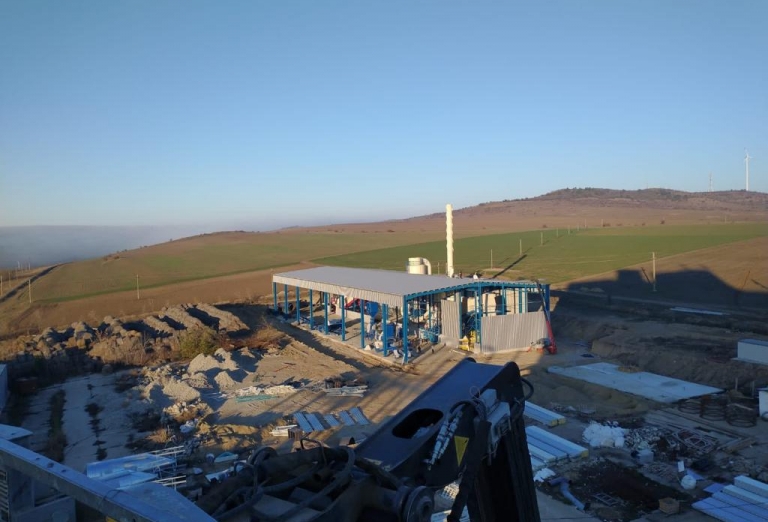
(664, 198)
(586, 206)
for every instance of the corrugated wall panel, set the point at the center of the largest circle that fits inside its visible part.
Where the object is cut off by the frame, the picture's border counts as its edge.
(450, 319)
(502, 333)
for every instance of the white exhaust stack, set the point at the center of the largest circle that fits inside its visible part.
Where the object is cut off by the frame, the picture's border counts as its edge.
(449, 239)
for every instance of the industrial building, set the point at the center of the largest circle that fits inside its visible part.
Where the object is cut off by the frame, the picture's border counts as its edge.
(498, 315)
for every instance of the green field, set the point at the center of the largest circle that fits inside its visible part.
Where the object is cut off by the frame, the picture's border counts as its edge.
(200, 258)
(562, 257)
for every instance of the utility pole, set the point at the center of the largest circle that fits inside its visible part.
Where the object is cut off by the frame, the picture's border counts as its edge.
(491, 258)
(542, 239)
(557, 232)
(29, 287)
(521, 248)
(138, 296)
(654, 271)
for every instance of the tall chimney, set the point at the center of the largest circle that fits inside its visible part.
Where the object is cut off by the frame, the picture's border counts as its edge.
(449, 239)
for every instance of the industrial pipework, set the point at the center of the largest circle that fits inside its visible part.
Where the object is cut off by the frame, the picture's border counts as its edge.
(449, 239)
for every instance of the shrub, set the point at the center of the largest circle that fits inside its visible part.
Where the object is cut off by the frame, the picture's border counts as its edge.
(195, 341)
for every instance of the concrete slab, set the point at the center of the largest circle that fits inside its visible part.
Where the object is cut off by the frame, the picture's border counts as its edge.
(644, 384)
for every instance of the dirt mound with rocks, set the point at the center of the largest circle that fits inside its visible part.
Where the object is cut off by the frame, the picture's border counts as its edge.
(228, 322)
(181, 316)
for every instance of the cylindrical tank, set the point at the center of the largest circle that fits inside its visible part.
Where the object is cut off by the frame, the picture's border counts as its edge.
(418, 265)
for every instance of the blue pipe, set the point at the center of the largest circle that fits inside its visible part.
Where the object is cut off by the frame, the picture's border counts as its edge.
(343, 301)
(285, 300)
(563, 483)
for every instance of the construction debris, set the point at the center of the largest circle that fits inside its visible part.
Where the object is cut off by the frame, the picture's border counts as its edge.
(604, 435)
(542, 415)
(644, 384)
(746, 499)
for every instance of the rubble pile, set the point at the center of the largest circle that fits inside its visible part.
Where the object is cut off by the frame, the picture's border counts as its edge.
(181, 316)
(228, 322)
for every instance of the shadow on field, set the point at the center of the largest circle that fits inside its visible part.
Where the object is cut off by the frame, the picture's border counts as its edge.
(690, 286)
(509, 267)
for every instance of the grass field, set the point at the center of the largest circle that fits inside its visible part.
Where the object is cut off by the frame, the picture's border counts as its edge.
(562, 257)
(200, 258)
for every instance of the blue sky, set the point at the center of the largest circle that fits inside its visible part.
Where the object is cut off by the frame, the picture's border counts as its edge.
(258, 114)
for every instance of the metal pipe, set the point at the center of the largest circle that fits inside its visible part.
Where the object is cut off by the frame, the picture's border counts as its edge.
(108, 501)
(563, 483)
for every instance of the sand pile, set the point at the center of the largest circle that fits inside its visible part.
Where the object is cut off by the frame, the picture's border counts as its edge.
(180, 391)
(225, 381)
(198, 380)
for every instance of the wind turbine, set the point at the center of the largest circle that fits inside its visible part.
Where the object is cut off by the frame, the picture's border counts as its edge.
(747, 157)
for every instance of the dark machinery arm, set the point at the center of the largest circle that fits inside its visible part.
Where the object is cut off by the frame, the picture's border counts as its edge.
(468, 426)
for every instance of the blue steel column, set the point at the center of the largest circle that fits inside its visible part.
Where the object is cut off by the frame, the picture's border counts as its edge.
(362, 323)
(325, 311)
(274, 296)
(503, 301)
(520, 300)
(429, 304)
(478, 310)
(311, 311)
(546, 297)
(385, 322)
(343, 301)
(459, 297)
(285, 300)
(479, 315)
(405, 330)
(298, 304)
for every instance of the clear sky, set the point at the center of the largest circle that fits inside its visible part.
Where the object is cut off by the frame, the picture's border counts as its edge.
(261, 113)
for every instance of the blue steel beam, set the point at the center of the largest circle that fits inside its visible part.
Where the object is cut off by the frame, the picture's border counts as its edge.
(362, 323)
(274, 297)
(405, 330)
(343, 301)
(298, 304)
(325, 311)
(311, 311)
(385, 323)
(285, 300)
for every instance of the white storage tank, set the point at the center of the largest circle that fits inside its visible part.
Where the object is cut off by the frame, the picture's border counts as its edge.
(418, 265)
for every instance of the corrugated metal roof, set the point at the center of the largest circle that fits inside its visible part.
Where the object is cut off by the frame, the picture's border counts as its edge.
(380, 286)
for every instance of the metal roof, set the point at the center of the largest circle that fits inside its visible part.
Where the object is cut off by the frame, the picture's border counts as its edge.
(380, 286)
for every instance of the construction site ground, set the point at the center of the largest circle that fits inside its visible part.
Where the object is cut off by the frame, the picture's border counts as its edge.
(306, 358)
